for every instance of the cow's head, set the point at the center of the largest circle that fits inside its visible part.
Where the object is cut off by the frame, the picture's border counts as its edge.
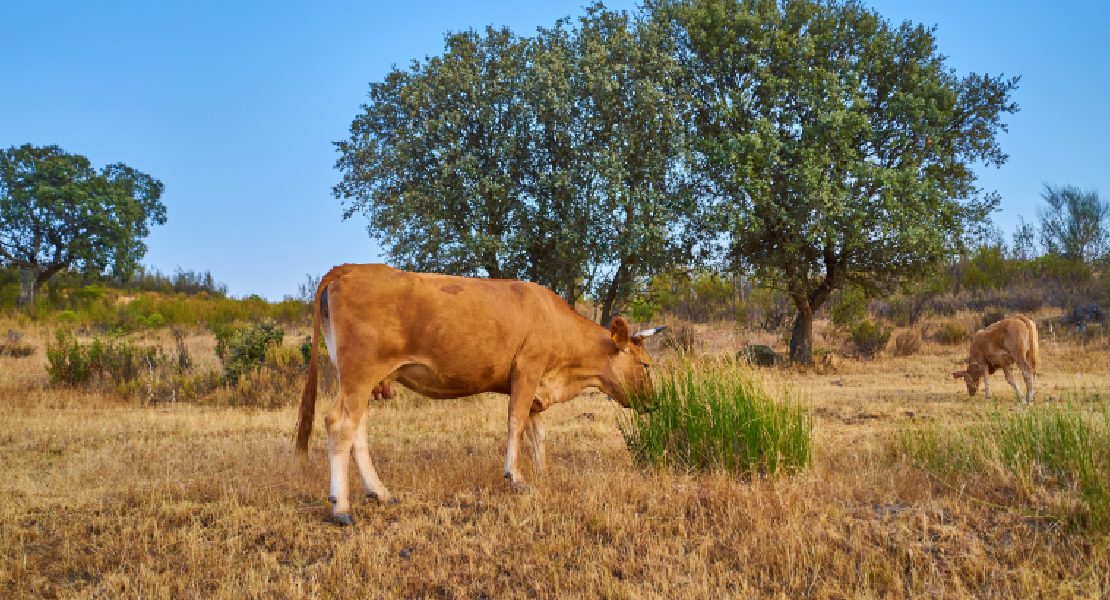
(630, 365)
(971, 377)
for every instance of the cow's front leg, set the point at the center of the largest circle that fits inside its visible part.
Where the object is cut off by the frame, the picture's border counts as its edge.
(986, 385)
(520, 406)
(537, 433)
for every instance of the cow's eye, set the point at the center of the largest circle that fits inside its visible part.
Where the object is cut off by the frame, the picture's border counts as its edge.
(646, 365)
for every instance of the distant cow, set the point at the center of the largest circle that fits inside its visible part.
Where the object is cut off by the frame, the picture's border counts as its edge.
(447, 337)
(1007, 342)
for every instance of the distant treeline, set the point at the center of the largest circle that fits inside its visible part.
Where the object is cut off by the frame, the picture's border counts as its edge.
(15, 283)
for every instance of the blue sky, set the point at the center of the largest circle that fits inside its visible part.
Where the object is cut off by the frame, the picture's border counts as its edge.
(234, 106)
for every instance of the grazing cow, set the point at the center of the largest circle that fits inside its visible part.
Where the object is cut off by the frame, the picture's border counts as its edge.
(447, 337)
(1005, 343)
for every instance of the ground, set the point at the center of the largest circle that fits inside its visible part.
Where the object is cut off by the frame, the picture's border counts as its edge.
(105, 498)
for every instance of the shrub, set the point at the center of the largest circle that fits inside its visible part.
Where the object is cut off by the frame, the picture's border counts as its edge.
(869, 338)
(680, 337)
(16, 349)
(849, 307)
(705, 417)
(905, 311)
(243, 348)
(907, 343)
(953, 333)
(74, 364)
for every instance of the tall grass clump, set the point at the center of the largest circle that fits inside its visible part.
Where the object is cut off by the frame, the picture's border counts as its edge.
(707, 416)
(1064, 446)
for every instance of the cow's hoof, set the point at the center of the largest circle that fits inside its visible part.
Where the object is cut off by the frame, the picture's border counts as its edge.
(342, 519)
(519, 487)
(332, 499)
(374, 496)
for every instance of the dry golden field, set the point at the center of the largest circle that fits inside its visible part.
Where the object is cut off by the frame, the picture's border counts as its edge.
(103, 498)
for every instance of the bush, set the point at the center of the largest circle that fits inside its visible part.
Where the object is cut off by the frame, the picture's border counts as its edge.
(869, 338)
(849, 307)
(680, 337)
(907, 343)
(243, 349)
(953, 333)
(905, 311)
(74, 364)
(706, 417)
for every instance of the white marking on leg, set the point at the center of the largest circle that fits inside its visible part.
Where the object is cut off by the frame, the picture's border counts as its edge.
(340, 440)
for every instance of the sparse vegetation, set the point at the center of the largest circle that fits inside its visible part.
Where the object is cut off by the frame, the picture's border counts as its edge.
(907, 343)
(102, 484)
(953, 333)
(1062, 447)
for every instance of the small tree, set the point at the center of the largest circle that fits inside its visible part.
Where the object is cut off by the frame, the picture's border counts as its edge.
(1075, 223)
(57, 212)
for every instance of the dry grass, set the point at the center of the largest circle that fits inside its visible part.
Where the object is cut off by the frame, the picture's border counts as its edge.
(103, 499)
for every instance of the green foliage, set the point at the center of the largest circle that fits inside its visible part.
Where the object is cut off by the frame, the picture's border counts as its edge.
(554, 159)
(1056, 269)
(243, 348)
(1074, 223)
(989, 268)
(58, 211)
(841, 147)
(74, 364)
(1065, 446)
(705, 417)
(696, 294)
(952, 334)
(869, 338)
(849, 307)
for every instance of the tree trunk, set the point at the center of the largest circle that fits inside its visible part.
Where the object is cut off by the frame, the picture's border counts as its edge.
(41, 278)
(611, 297)
(801, 340)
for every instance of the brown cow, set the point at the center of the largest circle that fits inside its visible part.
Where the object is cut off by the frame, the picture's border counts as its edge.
(447, 337)
(1007, 342)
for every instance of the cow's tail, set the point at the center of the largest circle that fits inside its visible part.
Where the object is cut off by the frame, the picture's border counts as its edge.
(308, 398)
(1034, 342)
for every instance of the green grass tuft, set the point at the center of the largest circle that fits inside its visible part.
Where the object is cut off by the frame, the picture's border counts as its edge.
(1060, 445)
(718, 416)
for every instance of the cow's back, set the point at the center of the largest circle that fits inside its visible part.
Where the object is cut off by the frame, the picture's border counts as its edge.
(465, 333)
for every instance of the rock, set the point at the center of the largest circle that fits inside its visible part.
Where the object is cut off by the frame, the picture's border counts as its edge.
(1089, 313)
(759, 355)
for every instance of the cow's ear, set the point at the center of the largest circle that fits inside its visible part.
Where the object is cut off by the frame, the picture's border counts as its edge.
(619, 331)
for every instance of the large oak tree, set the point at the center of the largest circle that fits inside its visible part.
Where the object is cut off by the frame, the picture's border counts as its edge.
(841, 147)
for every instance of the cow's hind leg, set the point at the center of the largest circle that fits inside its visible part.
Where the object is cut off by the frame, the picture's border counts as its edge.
(537, 433)
(344, 422)
(361, 452)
